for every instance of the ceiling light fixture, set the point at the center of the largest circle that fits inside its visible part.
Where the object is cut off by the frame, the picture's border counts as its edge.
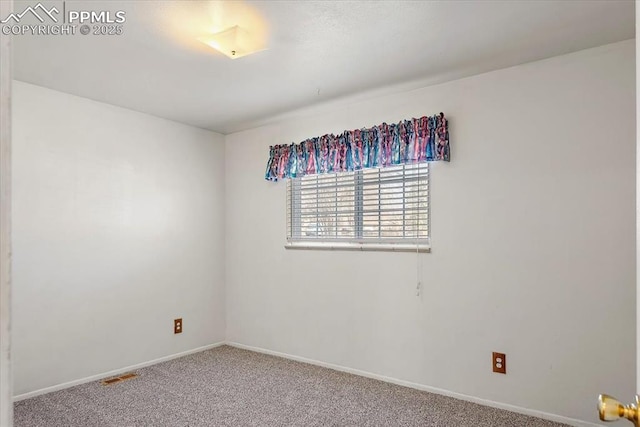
(234, 42)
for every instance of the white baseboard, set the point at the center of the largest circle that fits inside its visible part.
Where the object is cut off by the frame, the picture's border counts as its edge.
(490, 403)
(480, 401)
(112, 373)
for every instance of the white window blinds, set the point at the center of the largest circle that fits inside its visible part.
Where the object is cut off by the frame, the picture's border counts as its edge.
(389, 205)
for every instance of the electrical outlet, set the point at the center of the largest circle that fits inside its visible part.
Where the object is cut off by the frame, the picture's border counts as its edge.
(499, 363)
(177, 326)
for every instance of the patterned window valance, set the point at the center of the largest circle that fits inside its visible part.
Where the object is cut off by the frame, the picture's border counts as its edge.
(410, 141)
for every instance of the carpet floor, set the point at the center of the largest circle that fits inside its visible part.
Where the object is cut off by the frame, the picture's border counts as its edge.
(227, 386)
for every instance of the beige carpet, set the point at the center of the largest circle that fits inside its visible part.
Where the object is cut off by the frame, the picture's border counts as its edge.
(227, 386)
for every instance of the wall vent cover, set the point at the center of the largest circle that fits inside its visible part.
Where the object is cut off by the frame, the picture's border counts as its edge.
(122, 377)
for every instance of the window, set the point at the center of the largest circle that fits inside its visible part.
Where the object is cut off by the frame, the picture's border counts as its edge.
(368, 209)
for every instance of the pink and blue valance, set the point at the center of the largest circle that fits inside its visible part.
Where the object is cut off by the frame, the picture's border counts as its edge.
(411, 141)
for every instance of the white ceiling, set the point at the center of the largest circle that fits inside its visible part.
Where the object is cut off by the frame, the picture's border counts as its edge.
(317, 51)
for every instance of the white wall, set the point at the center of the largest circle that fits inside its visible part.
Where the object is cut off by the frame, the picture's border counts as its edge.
(6, 68)
(117, 230)
(532, 232)
(637, 10)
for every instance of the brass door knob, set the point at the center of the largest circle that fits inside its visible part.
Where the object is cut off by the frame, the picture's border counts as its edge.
(610, 409)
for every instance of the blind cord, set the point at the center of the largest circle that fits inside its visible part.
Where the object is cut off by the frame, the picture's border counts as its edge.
(418, 275)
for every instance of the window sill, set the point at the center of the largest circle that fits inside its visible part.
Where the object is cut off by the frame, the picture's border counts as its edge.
(340, 246)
